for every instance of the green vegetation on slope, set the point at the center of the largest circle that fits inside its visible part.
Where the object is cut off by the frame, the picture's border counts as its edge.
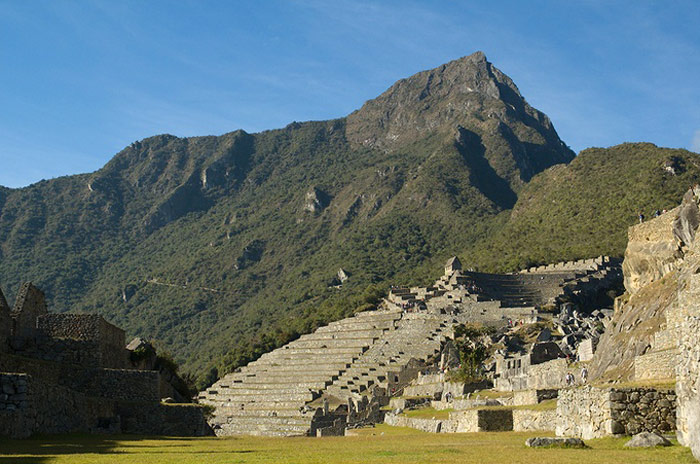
(583, 209)
(208, 246)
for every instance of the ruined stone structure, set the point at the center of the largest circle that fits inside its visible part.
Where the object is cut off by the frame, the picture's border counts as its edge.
(493, 299)
(63, 373)
(473, 414)
(344, 372)
(684, 324)
(545, 366)
(465, 421)
(282, 392)
(589, 412)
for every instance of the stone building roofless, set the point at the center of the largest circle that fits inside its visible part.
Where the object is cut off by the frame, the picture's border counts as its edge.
(452, 264)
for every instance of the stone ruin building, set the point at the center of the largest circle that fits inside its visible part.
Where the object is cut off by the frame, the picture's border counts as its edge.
(642, 356)
(343, 374)
(63, 373)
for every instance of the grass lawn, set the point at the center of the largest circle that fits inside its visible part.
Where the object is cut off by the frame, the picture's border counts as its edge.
(428, 413)
(382, 444)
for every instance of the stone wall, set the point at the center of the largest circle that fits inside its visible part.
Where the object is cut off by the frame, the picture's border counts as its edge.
(527, 420)
(85, 353)
(5, 324)
(182, 420)
(122, 384)
(656, 365)
(45, 408)
(472, 420)
(425, 425)
(543, 376)
(462, 404)
(29, 305)
(48, 409)
(13, 392)
(526, 397)
(549, 375)
(107, 340)
(589, 412)
(685, 321)
(125, 384)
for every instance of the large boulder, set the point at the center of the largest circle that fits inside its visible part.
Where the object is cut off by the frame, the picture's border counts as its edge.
(550, 442)
(647, 440)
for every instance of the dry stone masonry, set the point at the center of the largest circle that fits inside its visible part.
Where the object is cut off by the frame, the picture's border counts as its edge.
(62, 373)
(341, 375)
(589, 412)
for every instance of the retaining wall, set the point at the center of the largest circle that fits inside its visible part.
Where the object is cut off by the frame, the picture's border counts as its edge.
(589, 412)
(526, 420)
(656, 365)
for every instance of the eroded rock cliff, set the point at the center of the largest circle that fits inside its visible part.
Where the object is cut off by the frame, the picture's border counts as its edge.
(652, 251)
(662, 277)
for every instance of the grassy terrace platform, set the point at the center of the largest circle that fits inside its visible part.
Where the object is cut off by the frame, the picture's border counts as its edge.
(380, 445)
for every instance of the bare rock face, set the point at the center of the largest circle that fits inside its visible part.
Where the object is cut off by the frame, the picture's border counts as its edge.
(653, 250)
(687, 221)
(315, 201)
(342, 275)
(654, 256)
(685, 322)
(631, 332)
(470, 94)
(678, 292)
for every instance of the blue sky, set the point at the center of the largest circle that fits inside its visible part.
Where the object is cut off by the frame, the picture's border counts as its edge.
(80, 80)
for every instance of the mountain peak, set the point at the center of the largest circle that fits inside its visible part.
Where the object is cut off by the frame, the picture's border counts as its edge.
(468, 93)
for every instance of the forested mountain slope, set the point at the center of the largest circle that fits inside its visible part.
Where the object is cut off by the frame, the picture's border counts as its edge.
(222, 247)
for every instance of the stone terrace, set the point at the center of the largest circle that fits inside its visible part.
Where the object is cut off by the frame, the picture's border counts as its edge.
(387, 365)
(374, 354)
(268, 396)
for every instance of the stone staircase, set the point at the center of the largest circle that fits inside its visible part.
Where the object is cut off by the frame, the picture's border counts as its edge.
(525, 289)
(379, 352)
(418, 337)
(269, 396)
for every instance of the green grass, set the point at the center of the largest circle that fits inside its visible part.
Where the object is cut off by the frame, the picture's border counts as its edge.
(545, 405)
(382, 444)
(488, 394)
(428, 413)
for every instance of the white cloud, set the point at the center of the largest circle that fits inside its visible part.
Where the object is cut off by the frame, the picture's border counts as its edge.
(695, 144)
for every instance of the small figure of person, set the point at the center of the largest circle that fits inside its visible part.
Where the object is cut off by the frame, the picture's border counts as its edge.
(584, 375)
(657, 213)
(641, 217)
(570, 379)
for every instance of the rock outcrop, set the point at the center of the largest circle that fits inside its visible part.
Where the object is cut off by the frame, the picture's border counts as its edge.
(632, 330)
(662, 273)
(653, 250)
(654, 255)
(685, 323)
(449, 97)
(315, 200)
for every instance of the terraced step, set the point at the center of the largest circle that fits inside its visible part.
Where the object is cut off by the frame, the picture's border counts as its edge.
(344, 342)
(336, 335)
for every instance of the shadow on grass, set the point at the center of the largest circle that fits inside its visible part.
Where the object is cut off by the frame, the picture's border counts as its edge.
(38, 449)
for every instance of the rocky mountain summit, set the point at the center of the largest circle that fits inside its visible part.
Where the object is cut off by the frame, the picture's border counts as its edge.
(473, 101)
